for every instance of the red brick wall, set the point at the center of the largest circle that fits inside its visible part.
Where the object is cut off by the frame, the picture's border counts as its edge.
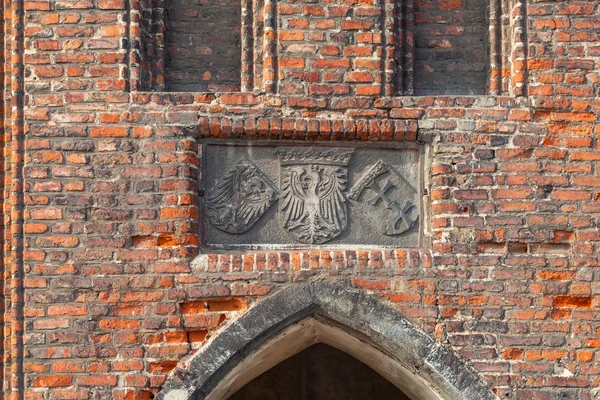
(330, 49)
(111, 297)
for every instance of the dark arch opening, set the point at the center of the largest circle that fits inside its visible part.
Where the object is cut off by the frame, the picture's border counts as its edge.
(340, 316)
(320, 372)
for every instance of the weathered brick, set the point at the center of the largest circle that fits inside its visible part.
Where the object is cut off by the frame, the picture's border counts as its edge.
(114, 121)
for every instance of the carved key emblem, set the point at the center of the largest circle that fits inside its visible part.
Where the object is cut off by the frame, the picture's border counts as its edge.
(312, 207)
(380, 193)
(240, 198)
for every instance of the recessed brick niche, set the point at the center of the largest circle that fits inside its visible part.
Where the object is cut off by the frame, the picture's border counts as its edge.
(192, 46)
(375, 48)
(202, 45)
(451, 47)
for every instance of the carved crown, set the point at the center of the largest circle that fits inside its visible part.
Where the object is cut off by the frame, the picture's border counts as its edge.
(324, 156)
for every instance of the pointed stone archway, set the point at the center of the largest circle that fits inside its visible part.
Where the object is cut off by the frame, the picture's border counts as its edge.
(343, 317)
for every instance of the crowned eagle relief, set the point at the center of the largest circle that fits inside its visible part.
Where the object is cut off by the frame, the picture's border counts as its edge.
(312, 207)
(240, 198)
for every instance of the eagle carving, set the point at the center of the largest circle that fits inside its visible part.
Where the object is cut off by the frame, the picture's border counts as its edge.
(312, 207)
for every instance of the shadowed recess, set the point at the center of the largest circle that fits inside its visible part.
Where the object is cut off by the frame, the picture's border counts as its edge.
(320, 372)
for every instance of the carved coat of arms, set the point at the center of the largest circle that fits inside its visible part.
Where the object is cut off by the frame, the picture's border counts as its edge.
(383, 196)
(240, 198)
(312, 207)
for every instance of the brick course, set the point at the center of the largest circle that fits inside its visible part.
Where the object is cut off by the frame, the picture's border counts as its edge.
(105, 291)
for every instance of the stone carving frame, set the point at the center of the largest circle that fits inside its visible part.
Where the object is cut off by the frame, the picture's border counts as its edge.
(414, 237)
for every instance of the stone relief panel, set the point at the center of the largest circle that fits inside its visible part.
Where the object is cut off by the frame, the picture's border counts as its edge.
(329, 195)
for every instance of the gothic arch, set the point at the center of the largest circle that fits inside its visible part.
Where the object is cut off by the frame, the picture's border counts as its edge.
(295, 318)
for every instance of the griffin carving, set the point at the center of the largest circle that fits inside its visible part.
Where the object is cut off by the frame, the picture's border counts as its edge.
(240, 198)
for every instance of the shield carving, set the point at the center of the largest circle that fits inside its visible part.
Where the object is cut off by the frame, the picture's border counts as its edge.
(312, 207)
(240, 198)
(384, 198)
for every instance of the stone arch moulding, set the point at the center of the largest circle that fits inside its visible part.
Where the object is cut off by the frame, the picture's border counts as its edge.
(343, 317)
